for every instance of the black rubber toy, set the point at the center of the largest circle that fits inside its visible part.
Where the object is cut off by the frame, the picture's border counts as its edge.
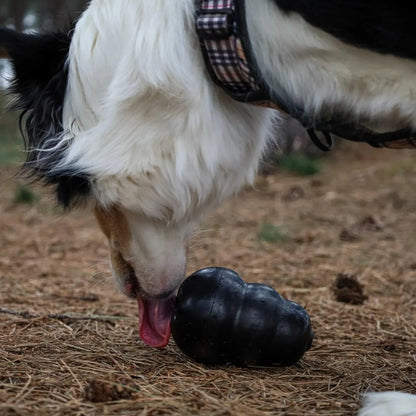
(220, 319)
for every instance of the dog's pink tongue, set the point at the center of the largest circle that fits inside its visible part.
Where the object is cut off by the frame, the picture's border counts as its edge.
(154, 321)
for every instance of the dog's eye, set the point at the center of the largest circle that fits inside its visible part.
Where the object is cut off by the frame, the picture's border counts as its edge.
(220, 319)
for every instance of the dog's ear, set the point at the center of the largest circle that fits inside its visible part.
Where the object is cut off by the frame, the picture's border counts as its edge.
(13, 43)
(39, 63)
(4, 43)
(36, 58)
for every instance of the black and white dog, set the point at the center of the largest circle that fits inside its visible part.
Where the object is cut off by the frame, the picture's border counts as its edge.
(122, 113)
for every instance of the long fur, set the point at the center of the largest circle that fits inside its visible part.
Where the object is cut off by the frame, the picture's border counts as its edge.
(41, 75)
(123, 112)
(142, 85)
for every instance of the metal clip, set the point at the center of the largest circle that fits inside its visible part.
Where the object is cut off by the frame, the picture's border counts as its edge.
(215, 24)
(325, 145)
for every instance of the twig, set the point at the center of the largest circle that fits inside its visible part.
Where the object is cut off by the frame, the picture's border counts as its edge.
(62, 316)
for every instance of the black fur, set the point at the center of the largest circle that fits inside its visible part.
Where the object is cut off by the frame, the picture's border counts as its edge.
(40, 69)
(385, 26)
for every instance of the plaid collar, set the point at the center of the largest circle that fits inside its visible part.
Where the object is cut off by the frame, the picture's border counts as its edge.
(222, 29)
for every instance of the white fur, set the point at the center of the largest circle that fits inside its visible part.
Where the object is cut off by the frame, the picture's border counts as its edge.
(158, 137)
(150, 126)
(165, 145)
(161, 141)
(389, 404)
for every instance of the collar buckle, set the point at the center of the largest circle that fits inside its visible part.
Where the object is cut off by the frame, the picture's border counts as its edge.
(215, 23)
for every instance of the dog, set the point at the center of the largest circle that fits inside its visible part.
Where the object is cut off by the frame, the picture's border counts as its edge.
(120, 113)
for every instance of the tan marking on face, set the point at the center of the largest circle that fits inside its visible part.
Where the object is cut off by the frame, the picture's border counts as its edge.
(114, 225)
(147, 257)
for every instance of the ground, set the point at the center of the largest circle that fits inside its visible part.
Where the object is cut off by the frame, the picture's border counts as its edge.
(304, 235)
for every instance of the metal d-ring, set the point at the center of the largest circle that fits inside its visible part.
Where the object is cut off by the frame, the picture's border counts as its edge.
(325, 145)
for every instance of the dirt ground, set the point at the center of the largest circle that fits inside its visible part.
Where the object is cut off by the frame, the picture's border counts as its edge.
(357, 217)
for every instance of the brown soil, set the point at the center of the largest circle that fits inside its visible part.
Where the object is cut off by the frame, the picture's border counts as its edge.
(72, 348)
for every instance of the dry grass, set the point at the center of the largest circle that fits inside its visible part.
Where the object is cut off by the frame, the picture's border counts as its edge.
(54, 266)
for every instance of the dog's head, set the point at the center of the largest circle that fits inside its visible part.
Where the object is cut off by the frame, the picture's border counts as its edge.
(150, 150)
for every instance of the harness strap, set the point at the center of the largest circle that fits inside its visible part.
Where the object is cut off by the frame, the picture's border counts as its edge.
(222, 30)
